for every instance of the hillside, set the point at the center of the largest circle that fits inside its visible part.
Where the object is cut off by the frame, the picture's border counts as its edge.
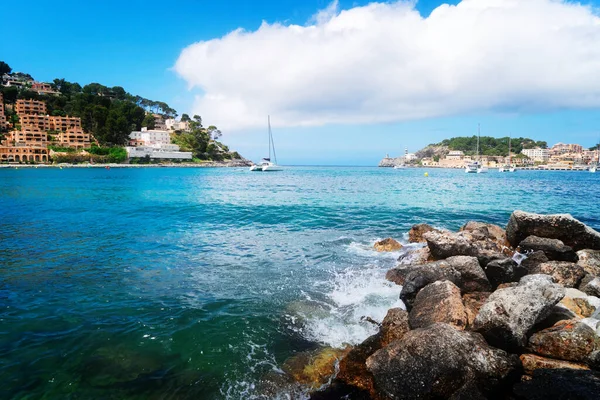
(109, 113)
(488, 146)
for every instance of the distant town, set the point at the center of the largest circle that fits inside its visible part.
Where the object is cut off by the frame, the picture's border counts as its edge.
(560, 156)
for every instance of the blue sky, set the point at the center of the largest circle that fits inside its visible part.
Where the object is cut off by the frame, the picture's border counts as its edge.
(135, 44)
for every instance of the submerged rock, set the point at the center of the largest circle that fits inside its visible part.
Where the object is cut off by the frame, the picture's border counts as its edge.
(560, 384)
(464, 272)
(589, 260)
(532, 362)
(565, 273)
(388, 244)
(510, 313)
(554, 249)
(567, 340)
(415, 235)
(438, 302)
(439, 362)
(558, 226)
(314, 368)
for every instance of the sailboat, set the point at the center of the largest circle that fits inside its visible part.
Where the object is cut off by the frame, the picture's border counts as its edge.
(476, 167)
(266, 165)
(509, 167)
(594, 166)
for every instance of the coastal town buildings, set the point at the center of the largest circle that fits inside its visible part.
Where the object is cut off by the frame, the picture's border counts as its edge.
(173, 125)
(159, 122)
(562, 148)
(43, 88)
(537, 154)
(2, 116)
(155, 144)
(30, 107)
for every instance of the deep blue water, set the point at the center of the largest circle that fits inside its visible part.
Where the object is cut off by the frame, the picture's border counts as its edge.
(200, 283)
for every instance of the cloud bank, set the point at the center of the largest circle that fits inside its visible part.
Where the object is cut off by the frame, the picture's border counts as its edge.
(384, 62)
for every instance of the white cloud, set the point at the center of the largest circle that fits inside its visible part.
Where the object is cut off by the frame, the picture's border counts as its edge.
(384, 62)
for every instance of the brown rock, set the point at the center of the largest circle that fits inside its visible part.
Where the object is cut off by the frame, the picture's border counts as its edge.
(473, 302)
(314, 368)
(398, 275)
(580, 306)
(589, 260)
(565, 273)
(567, 340)
(439, 362)
(531, 362)
(415, 235)
(353, 370)
(447, 244)
(394, 326)
(388, 244)
(559, 226)
(487, 231)
(438, 302)
(554, 249)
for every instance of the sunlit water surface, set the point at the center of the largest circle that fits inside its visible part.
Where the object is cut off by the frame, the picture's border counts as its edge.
(200, 283)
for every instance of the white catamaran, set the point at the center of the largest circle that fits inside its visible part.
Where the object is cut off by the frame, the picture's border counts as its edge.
(509, 167)
(266, 165)
(476, 167)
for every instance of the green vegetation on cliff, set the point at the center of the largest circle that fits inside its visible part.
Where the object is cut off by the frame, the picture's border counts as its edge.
(490, 146)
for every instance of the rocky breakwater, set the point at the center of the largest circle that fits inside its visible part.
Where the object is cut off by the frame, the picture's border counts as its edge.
(490, 313)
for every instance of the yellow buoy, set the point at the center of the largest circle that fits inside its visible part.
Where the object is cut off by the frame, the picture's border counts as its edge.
(426, 174)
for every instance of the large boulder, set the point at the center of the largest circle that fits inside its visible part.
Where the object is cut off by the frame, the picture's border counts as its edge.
(532, 260)
(415, 235)
(416, 257)
(314, 368)
(565, 273)
(508, 315)
(447, 244)
(558, 226)
(388, 244)
(589, 260)
(440, 362)
(532, 362)
(438, 302)
(567, 340)
(560, 384)
(554, 249)
(483, 231)
(464, 272)
(504, 270)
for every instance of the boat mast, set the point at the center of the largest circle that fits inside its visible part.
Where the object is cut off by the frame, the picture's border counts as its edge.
(478, 135)
(269, 121)
(509, 155)
(271, 142)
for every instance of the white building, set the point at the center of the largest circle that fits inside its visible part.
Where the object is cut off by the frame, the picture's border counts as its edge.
(170, 152)
(173, 125)
(455, 155)
(410, 157)
(154, 144)
(537, 154)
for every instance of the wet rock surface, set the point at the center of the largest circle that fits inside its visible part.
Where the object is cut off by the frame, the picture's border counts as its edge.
(388, 244)
(415, 235)
(559, 384)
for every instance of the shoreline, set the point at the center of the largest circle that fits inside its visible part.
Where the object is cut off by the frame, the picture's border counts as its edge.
(110, 165)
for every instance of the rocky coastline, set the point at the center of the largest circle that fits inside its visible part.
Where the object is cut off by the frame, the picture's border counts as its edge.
(491, 312)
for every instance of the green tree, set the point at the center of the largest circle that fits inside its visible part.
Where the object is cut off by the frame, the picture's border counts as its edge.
(4, 69)
(148, 121)
(185, 118)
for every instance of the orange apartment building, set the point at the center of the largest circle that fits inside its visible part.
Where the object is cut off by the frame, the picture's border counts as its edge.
(40, 121)
(43, 88)
(69, 132)
(28, 144)
(64, 123)
(35, 107)
(2, 116)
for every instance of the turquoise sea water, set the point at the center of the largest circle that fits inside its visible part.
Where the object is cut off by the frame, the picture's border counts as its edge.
(200, 283)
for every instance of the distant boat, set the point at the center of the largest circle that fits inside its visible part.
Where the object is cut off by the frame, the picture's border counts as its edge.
(266, 165)
(509, 167)
(400, 166)
(476, 167)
